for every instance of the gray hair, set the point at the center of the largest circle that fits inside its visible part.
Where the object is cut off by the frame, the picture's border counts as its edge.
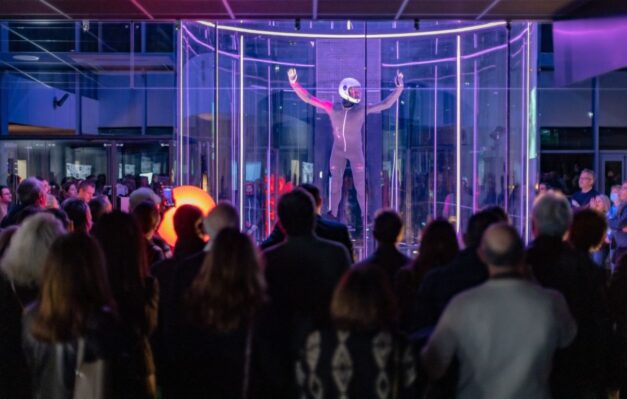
(590, 172)
(24, 260)
(223, 215)
(605, 199)
(551, 215)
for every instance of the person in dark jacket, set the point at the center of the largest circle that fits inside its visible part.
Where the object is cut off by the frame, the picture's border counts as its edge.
(465, 271)
(580, 371)
(217, 333)
(324, 228)
(135, 292)
(73, 309)
(187, 225)
(147, 216)
(438, 247)
(301, 274)
(178, 284)
(617, 296)
(20, 279)
(388, 231)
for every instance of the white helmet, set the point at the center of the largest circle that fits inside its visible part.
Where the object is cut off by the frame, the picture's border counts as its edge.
(345, 85)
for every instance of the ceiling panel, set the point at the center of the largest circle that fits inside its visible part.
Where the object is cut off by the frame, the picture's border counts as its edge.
(340, 9)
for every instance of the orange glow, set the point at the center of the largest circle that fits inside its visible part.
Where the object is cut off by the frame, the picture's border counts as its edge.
(183, 195)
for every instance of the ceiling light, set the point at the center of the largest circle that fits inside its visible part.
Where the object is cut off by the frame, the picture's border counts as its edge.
(24, 57)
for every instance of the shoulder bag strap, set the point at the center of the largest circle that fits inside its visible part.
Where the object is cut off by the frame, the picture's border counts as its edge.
(247, 356)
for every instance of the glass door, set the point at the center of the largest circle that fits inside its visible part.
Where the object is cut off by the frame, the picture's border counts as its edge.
(613, 171)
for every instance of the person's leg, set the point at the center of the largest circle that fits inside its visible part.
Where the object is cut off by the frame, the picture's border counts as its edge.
(337, 164)
(358, 167)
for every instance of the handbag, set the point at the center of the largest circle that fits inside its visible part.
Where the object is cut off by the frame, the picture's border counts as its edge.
(91, 378)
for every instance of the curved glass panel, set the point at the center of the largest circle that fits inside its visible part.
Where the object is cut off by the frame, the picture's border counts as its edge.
(453, 138)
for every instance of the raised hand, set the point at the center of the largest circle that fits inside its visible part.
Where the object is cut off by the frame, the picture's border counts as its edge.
(291, 75)
(399, 79)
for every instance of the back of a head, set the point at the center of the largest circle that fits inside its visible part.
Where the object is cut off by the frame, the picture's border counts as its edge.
(588, 229)
(497, 211)
(387, 226)
(221, 216)
(147, 216)
(438, 245)
(478, 224)
(296, 211)
(186, 219)
(551, 215)
(61, 216)
(363, 300)
(77, 211)
(99, 205)
(24, 259)
(74, 286)
(501, 246)
(29, 191)
(229, 286)
(142, 194)
(313, 190)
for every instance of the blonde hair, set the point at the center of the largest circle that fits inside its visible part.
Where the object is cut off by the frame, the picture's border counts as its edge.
(24, 260)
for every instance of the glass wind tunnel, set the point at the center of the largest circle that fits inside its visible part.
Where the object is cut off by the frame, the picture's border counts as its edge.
(461, 136)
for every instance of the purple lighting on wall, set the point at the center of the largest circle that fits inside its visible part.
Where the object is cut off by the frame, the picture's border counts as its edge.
(587, 48)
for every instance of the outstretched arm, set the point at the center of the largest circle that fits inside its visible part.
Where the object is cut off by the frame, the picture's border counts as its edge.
(389, 100)
(305, 95)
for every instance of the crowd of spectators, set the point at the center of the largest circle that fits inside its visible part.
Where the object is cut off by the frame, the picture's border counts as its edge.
(92, 298)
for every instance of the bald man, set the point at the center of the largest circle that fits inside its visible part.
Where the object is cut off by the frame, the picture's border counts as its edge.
(504, 332)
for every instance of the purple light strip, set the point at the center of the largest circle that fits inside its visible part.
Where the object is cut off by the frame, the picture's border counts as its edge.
(435, 138)
(523, 136)
(355, 36)
(228, 8)
(236, 56)
(452, 59)
(474, 132)
(528, 132)
(55, 9)
(141, 8)
(458, 138)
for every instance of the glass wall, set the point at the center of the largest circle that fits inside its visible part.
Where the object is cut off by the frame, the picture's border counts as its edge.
(87, 98)
(456, 135)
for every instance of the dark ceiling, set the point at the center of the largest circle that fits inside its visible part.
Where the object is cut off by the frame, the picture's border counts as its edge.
(307, 9)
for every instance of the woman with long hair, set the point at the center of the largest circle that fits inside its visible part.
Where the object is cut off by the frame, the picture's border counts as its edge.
(438, 247)
(134, 291)
(214, 348)
(74, 309)
(20, 279)
(362, 355)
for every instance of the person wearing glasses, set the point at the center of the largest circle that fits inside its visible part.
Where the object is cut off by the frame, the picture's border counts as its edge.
(586, 190)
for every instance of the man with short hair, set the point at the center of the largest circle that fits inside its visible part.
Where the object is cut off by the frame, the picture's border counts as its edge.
(29, 194)
(467, 270)
(325, 228)
(586, 185)
(503, 332)
(301, 274)
(86, 190)
(580, 370)
(388, 231)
